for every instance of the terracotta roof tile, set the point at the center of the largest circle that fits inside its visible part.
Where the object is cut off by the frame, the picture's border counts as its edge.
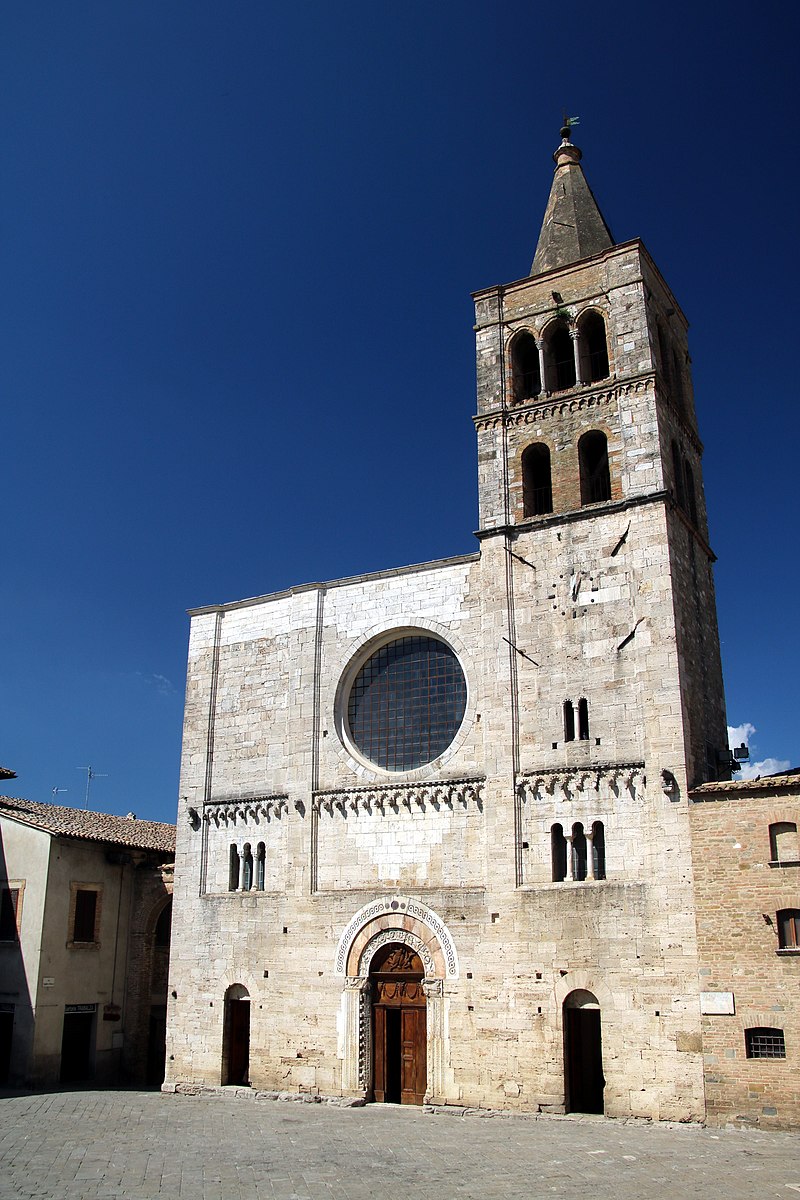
(91, 826)
(789, 781)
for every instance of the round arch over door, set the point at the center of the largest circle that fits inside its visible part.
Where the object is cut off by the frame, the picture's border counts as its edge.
(236, 1036)
(583, 1053)
(399, 1037)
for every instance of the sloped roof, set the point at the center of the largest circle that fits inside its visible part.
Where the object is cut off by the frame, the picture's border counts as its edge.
(787, 781)
(6, 774)
(573, 227)
(91, 826)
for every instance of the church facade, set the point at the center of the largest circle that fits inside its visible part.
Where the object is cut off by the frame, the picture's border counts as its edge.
(434, 835)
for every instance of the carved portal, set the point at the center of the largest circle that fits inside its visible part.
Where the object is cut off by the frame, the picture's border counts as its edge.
(391, 965)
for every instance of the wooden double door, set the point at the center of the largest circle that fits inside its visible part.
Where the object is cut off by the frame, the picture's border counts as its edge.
(400, 1041)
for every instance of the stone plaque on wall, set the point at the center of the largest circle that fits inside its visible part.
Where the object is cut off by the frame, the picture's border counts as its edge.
(717, 1004)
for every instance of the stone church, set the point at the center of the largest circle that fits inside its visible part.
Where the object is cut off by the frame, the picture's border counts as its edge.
(434, 836)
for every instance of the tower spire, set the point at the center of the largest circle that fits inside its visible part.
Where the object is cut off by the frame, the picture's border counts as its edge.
(573, 227)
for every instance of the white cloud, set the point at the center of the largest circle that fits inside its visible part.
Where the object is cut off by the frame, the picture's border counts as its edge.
(162, 685)
(754, 770)
(740, 733)
(767, 766)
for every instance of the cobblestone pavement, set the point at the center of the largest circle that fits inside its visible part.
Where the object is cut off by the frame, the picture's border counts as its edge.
(82, 1145)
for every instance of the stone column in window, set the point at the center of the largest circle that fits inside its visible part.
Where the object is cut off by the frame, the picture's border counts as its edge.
(542, 377)
(570, 858)
(575, 334)
(242, 872)
(590, 854)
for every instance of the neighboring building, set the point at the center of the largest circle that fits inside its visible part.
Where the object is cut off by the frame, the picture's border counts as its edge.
(747, 898)
(85, 911)
(434, 828)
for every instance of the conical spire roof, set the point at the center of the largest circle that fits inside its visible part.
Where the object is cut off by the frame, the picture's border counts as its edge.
(573, 227)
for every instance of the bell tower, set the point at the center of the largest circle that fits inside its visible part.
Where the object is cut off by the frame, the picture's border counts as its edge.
(590, 479)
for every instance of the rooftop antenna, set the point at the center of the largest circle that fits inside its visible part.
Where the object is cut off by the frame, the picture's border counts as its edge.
(56, 792)
(90, 775)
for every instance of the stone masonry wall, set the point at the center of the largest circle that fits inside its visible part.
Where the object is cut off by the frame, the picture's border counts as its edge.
(738, 891)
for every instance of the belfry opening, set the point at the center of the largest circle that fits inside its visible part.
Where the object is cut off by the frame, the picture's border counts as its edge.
(399, 1020)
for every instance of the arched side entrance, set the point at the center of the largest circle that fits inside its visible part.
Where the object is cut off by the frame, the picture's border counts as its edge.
(236, 1036)
(379, 930)
(583, 1053)
(399, 1038)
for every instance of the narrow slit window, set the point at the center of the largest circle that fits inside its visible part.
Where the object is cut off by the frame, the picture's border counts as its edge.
(559, 358)
(525, 367)
(594, 468)
(594, 348)
(537, 486)
(583, 720)
(691, 498)
(578, 852)
(599, 850)
(558, 853)
(247, 868)
(569, 721)
(233, 869)
(677, 474)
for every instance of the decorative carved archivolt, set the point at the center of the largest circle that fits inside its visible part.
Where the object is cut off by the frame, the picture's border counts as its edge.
(254, 808)
(450, 794)
(390, 916)
(568, 783)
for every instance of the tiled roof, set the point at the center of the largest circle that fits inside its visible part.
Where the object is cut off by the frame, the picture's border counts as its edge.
(6, 774)
(91, 826)
(788, 781)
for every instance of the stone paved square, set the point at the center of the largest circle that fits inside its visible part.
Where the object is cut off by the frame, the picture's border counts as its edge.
(137, 1145)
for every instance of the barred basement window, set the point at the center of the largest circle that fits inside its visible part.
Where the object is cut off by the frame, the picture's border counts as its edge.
(763, 1042)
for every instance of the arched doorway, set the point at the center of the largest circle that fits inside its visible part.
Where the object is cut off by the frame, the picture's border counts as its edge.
(400, 1043)
(236, 1037)
(583, 1056)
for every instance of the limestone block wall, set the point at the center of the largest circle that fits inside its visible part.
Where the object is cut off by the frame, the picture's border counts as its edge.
(739, 889)
(620, 406)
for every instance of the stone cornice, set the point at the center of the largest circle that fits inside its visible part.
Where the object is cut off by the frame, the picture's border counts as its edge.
(584, 780)
(250, 808)
(396, 797)
(557, 404)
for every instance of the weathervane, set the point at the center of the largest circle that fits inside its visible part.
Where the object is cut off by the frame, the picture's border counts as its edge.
(566, 128)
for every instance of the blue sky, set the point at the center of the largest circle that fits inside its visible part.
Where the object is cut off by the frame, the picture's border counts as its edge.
(237, 245)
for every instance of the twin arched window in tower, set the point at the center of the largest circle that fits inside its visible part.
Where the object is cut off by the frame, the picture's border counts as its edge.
(593, 468)
(563, 356)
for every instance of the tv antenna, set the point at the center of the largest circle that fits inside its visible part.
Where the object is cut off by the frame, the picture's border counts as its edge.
(56, 791)
(90, 775)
